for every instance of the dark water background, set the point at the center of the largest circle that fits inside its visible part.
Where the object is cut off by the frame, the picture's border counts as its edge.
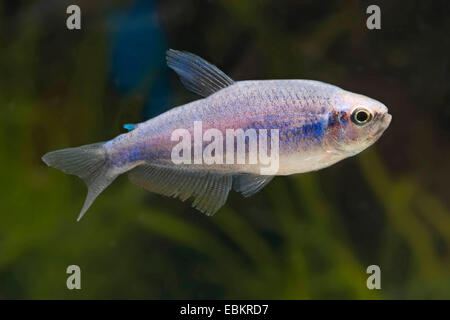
(304, 236)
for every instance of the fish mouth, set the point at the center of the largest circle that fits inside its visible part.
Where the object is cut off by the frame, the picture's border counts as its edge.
(385, 121)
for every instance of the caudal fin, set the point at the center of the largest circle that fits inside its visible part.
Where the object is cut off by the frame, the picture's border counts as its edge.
(88, 162)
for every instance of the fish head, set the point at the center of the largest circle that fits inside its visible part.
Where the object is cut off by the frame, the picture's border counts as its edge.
(360, 122)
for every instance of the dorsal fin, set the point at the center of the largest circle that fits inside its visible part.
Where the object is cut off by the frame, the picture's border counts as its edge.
(197, 75)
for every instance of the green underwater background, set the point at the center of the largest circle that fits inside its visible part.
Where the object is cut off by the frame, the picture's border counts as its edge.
(309, 236)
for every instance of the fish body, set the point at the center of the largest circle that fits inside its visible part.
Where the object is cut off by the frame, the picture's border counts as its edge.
(316, 125)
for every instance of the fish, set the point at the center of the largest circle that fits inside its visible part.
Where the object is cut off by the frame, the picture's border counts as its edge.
(307, 125)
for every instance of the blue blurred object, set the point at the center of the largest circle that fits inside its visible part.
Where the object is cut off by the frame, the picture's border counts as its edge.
(138, 56)
(129, 126)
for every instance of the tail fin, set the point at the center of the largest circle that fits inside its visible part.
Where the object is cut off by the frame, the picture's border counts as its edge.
(88, 162)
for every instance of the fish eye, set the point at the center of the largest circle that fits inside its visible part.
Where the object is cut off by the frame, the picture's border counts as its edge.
(361, 116)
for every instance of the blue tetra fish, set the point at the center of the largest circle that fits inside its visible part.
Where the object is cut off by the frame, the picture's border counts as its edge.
(316, 125)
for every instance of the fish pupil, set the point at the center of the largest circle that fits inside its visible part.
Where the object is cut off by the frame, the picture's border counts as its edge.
(362, 116)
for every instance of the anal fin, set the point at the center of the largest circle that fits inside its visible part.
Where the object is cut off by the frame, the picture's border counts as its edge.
(209, 189)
